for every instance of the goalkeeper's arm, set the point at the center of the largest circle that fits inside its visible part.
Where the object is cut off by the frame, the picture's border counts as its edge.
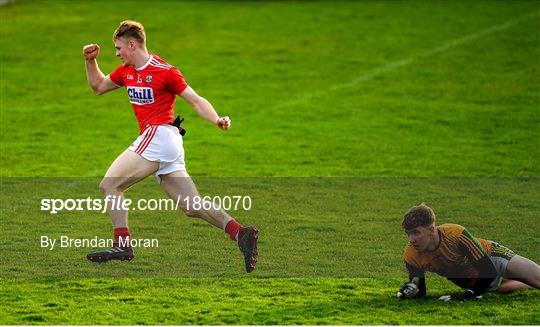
(418, 277)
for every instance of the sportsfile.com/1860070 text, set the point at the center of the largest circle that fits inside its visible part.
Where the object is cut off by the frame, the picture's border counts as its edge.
(113, 202)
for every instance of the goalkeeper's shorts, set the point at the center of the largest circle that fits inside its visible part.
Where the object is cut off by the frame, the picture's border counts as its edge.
(163, 144)
(500, 256)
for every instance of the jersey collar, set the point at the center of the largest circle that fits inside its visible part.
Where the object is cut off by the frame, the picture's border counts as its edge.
(146, 64)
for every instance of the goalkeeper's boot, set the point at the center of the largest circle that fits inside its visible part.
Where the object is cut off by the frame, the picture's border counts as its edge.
(247, 241)
(114, 253)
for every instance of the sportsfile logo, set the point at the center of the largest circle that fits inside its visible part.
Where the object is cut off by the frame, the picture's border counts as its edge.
(140, 95)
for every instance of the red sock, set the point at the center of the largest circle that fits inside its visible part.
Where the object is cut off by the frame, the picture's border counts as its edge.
(124, 233)
(232, 228)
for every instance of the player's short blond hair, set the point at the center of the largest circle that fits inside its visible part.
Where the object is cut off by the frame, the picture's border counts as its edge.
(130, 29)
(418, 216)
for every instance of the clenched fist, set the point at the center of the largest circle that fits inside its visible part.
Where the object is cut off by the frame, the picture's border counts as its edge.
(224, 123)
(90, 51)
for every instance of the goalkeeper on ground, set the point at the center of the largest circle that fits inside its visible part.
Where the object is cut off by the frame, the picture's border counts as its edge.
(449, 250)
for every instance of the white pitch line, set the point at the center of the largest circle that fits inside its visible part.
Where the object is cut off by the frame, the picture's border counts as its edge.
(395, 65)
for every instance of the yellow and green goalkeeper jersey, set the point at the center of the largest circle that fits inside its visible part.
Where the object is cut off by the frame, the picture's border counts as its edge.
(456, 257)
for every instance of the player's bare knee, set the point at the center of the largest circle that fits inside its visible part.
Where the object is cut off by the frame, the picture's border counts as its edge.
(108, 186)
(103, 187)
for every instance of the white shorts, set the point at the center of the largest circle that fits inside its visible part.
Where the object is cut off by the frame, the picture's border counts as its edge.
(163, 144)
(500, 256)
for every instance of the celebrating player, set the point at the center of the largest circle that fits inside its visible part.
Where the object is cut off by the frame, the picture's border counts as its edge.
(449, 250)
(152, 85)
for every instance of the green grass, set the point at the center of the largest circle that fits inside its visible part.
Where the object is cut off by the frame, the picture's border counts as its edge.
(352, 91)
(471, 110)
(330, 254)
(233, 301)
(332, 227)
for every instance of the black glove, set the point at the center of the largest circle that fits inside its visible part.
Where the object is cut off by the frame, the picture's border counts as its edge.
(407, 290)
(461, 297)
(177, 122)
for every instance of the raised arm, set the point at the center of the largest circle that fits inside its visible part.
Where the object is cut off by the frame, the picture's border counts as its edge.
(98, 82)
(205, 109)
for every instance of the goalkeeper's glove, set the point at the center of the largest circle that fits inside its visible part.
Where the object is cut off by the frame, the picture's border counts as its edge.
(461, 297)
(407, 291)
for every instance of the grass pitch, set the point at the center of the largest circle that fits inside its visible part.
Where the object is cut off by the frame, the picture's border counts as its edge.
(315, 80)
(384, 98)
(311, 301)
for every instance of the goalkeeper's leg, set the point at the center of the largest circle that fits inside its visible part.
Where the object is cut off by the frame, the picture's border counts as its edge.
(524, 270)
(509, 285)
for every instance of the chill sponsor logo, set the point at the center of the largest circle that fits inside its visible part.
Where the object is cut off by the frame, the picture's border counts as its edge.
(140, 95)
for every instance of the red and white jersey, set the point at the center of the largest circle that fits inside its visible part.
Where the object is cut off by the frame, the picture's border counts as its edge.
(152, 90)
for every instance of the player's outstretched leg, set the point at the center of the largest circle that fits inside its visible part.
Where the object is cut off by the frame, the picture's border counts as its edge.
(128, 169)
(524, 270)
(179, 185)
(509, 285)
